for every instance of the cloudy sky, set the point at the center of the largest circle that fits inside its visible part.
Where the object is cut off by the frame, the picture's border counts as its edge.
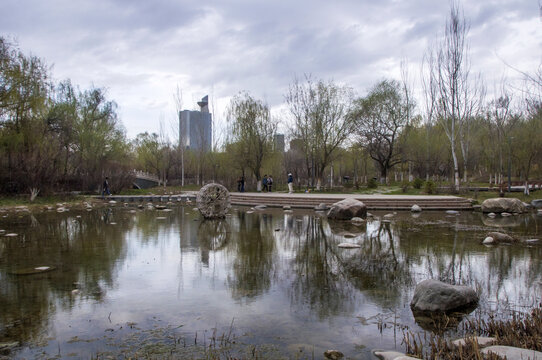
(142, 50)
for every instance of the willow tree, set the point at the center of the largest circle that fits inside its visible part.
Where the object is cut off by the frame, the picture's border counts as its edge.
(320, 112)
(380, 117)
(251, 130)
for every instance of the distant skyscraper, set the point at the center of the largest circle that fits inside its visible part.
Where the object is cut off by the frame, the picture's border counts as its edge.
(278, 143)
(196, 127)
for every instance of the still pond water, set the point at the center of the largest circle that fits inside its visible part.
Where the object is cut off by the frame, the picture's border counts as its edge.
(269, 284)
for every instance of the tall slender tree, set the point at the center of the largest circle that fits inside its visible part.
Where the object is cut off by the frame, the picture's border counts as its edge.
(454, 95)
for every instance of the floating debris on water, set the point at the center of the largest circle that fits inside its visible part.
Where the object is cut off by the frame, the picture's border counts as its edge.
(33, 270)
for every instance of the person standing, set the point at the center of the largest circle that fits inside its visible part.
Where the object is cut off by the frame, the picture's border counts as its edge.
(290, 183)
(269, 183)
(242, 183)
(239, 184)
(105, 187)
(264, 183)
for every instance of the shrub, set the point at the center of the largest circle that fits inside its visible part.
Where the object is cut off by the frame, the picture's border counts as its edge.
(372, 184)
(405, 185)
(417, 183)
(430, 187)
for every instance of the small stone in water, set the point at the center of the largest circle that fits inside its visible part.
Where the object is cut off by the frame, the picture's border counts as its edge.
(333, 354)
(349, 246)
(488, 241)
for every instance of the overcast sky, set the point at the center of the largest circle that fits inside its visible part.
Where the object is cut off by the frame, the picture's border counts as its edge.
(141, 50)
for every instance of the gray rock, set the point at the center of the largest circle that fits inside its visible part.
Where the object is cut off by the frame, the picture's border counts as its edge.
(415, 208)
(321, 207)
(433, 295)
(388, 216)
(452, 212)
(500, 205)
(502, 238)
(536, 203)
(392, 355)
(347, 209)
(213, 201)
(512, 352)
(260, 207)
(480, 340)
(505, 214)
(489, 241)
(333, 354)
(477, 207)
(491, 215)
(286, 207)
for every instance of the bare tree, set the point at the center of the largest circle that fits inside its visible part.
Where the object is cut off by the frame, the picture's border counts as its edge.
(178, 100)
(501, 117)
(456, 98)
(320, 111)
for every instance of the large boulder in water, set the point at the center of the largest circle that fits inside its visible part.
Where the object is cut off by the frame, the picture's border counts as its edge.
(537, 203)
(501, 205)
(213, 201)
(436, 296)
(347, 209)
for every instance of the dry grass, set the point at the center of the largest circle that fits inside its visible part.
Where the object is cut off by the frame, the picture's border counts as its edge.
(523, 330)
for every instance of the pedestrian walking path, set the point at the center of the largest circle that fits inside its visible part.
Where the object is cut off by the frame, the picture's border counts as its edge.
(374, 202)
(309, 201)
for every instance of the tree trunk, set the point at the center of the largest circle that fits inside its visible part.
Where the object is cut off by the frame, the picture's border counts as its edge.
(456, 169)
(383, 175)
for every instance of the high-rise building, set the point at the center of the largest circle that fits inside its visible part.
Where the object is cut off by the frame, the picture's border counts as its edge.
(196, 127)
(278, 143)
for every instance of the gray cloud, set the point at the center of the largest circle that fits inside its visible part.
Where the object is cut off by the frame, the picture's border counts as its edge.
(140, 50)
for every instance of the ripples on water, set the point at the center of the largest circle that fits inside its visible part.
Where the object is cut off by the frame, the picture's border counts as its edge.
(169, 284)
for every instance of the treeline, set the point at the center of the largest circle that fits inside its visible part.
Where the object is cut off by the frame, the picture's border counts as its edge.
(53, 136)
(56, 137)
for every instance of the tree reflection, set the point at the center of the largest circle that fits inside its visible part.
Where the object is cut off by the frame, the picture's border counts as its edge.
(253, 249)
(85, 252)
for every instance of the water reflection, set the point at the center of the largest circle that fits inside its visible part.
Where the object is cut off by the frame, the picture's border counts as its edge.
(281, 276)
(60, 241)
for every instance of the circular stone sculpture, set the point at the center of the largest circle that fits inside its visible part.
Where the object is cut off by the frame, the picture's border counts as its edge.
(213, 201)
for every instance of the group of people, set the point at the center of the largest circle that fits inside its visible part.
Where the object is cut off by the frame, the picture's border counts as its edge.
(267, 183)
